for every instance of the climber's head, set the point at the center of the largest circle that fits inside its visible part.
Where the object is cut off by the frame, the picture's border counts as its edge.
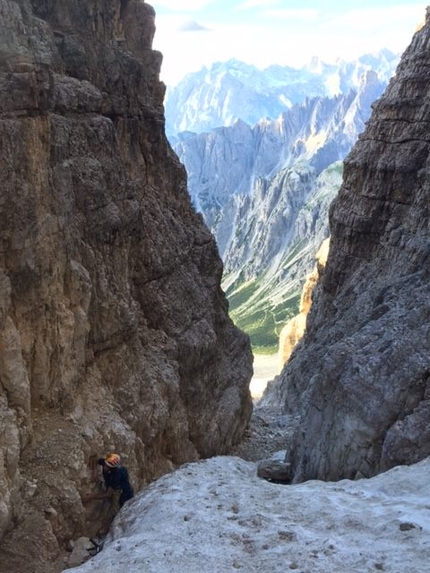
(112, 460)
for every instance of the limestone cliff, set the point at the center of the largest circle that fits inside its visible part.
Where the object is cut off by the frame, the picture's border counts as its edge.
(359, 381)
(114, 331)
(295, 328)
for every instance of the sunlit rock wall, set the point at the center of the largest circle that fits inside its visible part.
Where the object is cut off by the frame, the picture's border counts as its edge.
(295, 328)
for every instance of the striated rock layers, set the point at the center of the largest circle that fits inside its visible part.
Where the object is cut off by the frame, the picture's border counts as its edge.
(358, 383)
(114, 332)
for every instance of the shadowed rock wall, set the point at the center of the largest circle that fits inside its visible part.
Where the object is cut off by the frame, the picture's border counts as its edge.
(114, 332)
(358, 384)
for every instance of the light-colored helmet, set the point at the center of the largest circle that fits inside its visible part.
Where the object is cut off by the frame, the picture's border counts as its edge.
(112, 460)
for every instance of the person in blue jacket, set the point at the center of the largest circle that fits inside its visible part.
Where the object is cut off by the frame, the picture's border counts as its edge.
(117, 487)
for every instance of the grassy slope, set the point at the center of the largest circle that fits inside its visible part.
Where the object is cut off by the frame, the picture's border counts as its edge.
(260, 316)
(262, 306)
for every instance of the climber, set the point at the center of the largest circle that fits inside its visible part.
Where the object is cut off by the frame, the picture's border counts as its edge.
(117, 487)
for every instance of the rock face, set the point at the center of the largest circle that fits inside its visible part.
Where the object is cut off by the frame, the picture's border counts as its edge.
(359, 381)
(114, 331)
(227, 91)
(321, 130)
(294, 329)
(253, 184)
(264, 190)
(272, 237)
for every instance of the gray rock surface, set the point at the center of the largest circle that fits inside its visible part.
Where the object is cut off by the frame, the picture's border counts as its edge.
(272, 238)
(114, 331)
(274, 470)
(264, 190)
(227, 91)
(228, 160)
(358, 383)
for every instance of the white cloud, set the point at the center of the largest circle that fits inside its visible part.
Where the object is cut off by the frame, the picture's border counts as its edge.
(181, 5)
(376, 18)
(257, 4)
(292, 14)
(289, 38)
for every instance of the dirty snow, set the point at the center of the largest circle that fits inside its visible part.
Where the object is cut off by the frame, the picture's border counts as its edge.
(217, 516)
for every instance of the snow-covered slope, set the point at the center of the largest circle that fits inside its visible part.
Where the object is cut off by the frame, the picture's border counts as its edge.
(217, 516)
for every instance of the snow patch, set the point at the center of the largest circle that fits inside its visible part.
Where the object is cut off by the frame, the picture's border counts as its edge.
(217, 516)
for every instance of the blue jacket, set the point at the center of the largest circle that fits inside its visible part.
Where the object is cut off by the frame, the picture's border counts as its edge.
(117, 479)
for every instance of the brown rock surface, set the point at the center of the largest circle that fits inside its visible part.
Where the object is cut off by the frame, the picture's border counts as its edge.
(114, 332)
(358, 383)
(295, 328)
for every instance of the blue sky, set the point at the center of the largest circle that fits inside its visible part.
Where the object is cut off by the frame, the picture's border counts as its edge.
(194, 33)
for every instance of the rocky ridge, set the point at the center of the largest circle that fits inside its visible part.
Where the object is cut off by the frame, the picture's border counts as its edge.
(273, 237)
(228, 91)
(264, 191)
(114, 331)
(357, 384)
(228, 160)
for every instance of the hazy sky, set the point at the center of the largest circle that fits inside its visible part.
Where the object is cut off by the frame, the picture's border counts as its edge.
(194, 33)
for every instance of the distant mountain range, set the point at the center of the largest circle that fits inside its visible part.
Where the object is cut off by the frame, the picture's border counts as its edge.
(226, 161)
(227, 91)
(264, 180)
